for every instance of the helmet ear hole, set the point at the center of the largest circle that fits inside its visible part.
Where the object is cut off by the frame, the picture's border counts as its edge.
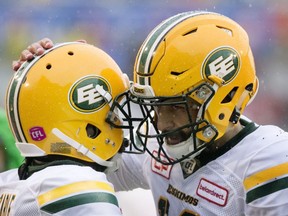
(230, 95)
(92, 131)
(249, 87)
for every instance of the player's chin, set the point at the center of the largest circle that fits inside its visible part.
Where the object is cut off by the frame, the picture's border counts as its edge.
(172, 141)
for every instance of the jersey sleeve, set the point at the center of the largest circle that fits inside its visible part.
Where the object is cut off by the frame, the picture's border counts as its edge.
(131, 173)
(266, 181)
(59, 190)
(75, 189)
(85, 197)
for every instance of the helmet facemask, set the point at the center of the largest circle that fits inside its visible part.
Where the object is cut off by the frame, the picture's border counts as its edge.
(143, 128)
(123, 116)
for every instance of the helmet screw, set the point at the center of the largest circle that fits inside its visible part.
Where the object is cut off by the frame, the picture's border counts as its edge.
(221, 116)
(108, 141)
(208, 132)
(201, 94)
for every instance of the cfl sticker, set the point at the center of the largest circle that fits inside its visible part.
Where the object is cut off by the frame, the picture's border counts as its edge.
(223, 62)
(37, 133)
(83, 95)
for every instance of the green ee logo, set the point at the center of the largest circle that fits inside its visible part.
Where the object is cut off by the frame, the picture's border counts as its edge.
(223, 62)
(83, 95)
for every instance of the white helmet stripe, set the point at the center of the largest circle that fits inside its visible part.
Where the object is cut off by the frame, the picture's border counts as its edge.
(12, 99)
(153, 40)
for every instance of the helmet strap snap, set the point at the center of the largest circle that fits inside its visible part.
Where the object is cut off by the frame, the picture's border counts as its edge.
(235, 116)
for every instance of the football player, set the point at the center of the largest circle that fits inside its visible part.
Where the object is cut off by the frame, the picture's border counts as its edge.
(193, 77)
(56, 105)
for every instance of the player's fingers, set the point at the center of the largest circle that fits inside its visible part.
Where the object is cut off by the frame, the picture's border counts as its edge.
(16, 65)
(39, 47)
(24, 56)
(36, 49)
(46, 43)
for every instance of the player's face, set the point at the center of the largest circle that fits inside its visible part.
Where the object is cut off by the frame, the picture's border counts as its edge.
(171, 117)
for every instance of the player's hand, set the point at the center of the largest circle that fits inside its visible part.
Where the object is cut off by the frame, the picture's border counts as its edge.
(37, 49)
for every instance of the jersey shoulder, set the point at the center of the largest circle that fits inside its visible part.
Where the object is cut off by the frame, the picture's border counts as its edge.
(266, 176)
(63, 190)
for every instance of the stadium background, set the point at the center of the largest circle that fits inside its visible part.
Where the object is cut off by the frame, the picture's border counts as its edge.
(119, 27)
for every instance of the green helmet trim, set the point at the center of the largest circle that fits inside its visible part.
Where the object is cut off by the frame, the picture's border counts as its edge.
(146, 53)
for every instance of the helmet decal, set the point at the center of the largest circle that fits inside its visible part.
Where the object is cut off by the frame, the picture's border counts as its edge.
(37, 133)
(223, 62)
(84, 97)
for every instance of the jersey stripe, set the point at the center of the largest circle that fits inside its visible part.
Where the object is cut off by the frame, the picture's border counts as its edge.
(266, 175)
(73, 188)
(266, 182)
(80, 199)
(264, 190)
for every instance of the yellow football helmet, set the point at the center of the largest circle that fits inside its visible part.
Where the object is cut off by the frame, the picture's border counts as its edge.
(200, 55)
(57, 104)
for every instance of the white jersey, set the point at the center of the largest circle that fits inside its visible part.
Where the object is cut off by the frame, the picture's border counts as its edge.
(58, 190)
(248, 177)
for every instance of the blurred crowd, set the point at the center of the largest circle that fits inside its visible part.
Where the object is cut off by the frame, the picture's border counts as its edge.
(120, 26)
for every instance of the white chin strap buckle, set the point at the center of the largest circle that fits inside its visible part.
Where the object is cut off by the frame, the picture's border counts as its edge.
(105, 94)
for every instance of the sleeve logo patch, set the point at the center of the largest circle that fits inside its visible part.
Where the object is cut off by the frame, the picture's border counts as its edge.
(212, 192)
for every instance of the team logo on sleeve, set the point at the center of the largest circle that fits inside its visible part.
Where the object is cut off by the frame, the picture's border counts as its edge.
(84, 97)
(224, 62)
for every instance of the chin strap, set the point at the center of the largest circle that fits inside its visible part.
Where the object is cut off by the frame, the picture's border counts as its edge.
(82, 149)
(105, 94)
(181, 149)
